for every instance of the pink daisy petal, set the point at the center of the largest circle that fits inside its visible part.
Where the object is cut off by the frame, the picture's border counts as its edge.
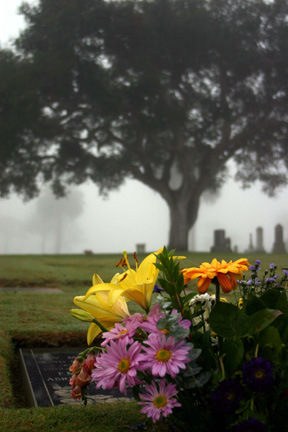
(164, 355)
(118, 366)
(158, 401)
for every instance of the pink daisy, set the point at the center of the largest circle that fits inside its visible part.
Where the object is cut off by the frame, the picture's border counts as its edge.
(150, 323)
(118, 366)
(185, 323)
(134, 319)
(164, 355)
(120, 332)
(160, 402)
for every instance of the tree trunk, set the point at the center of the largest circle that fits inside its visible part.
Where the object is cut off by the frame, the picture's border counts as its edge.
(179, 228)
(183, 215)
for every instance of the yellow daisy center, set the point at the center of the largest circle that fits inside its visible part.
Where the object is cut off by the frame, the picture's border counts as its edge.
(123, 365)
(122, 332)
(230, 396)
(160, 401)
(163, 355)
(259, 374)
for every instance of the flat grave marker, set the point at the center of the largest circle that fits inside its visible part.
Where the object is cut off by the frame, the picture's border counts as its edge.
(46, 378)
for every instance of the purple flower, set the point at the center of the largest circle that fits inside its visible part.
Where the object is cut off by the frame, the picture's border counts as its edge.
(257, 262)
(227, 396)
(250, 425)
(285, 273)
(253, 268)
(272, 265)
(258, 374)
(157, 289)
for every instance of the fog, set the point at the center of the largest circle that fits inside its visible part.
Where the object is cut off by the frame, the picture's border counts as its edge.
(133, 214)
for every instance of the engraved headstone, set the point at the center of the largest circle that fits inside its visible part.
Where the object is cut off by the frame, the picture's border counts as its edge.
(279, 246)
(259, 240)
(141, 248)
(250, 248)
(46, 378)
(221, 243)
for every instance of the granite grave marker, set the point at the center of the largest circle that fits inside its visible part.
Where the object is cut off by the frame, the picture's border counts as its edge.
(279, 246)
(46, 378)
(221, 243)
(259, 240)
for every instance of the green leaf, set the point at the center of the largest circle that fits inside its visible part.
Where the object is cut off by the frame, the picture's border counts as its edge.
(270, 341)
(260, 320)
(270, 298)
(188, 297)
(227, 320)
(282, 303)
(234, 351)
(281, 323)
(254, 304)
(166, 286)
(180, 283)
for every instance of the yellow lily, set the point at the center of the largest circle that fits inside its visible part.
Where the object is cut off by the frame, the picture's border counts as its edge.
(136, 285)
(98, 306)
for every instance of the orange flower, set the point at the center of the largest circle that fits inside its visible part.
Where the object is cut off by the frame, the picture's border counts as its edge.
(226, 273)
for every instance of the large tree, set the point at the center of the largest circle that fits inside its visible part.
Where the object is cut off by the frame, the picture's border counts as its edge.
(162, 91)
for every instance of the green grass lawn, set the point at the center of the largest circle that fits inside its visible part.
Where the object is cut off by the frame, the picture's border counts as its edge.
(29, 318)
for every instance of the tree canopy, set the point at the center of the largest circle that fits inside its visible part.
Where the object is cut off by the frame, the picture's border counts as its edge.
(162, 91)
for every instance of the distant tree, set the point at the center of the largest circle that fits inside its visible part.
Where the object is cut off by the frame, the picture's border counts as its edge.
(52, 215)
(162, 91)
(10, 232)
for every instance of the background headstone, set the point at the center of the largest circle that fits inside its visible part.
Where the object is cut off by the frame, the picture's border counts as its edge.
(221, 243)
(279, 246)
(259, 240)
(141, 248)
(250, 248)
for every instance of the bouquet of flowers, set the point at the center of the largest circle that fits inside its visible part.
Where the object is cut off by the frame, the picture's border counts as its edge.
(210, 363)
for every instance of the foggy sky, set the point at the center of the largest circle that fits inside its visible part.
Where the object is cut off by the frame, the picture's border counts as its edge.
(136, 214)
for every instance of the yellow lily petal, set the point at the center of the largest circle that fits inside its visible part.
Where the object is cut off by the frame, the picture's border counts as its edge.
(99, 287)
(96, 279)
(98, 306)
(138, 285)
(93, 331)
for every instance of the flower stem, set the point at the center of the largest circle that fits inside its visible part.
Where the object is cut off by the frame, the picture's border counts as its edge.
(220, 339)
(179, 304)
(217, 290)
(104, 329)
(256, 350)
(222, 368)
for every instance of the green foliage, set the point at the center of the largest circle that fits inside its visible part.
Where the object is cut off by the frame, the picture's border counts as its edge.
(234, 352)
(231, 342)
